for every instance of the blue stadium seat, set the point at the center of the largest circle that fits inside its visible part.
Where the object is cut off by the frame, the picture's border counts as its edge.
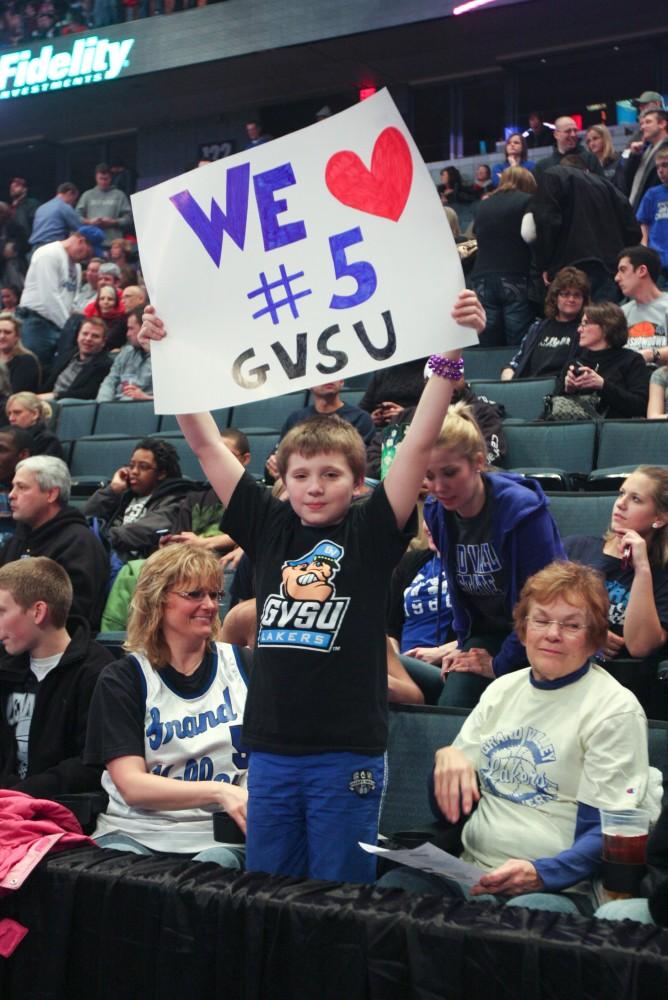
(76, 418)
(486, 362)
(132, 417)
(523, 398)
(267, 414)
(558, 453)
(625, 444)
(261, 446)
(101, 455)
(222, 417)
(582, 513)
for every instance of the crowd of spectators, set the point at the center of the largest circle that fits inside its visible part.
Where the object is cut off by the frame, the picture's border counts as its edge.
(26, 21)
(485, 612)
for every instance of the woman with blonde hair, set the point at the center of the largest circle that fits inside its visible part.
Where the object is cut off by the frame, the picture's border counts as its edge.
(30, 413)
(633, 558)
(22, 365)
(599, 142)
(165, 720)
(500, 274)
(493, 530)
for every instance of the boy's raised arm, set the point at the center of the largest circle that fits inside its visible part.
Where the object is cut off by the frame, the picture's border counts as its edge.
(403, 481)
(220, 466)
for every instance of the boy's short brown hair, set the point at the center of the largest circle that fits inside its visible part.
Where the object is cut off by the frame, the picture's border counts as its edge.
(321, 435)
(39, 579)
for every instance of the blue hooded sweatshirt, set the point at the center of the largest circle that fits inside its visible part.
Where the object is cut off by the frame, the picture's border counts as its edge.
(526, 539)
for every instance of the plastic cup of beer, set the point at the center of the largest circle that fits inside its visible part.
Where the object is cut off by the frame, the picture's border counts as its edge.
(625, 833)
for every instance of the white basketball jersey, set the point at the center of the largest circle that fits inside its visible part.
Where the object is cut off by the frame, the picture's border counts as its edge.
(193, 737)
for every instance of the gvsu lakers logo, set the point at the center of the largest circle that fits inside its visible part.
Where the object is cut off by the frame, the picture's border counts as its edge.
(514, 767)
(307, 612)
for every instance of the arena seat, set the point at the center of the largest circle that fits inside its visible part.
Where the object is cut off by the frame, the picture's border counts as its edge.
(486, 362)
(168, 421)
(132, 417)
(522, 399)
(101, 455)
(76, 418)
(267, 414)
(261, 446)
(565, 450)
(188, 461)
(581, 513)
(418, 731)
(625, 444)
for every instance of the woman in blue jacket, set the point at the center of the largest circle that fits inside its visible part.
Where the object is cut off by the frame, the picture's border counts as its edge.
(517, 155)
(493, 530)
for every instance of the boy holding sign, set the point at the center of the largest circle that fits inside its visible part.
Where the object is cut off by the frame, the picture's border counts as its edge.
(316, 715)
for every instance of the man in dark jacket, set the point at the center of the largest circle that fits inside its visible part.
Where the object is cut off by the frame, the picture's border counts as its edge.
(48, 527)
(566, 143)
(47, 676)
(78, 373)
(136, 509)
(582, 220)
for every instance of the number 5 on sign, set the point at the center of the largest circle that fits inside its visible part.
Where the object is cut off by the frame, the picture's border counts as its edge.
(326, 252)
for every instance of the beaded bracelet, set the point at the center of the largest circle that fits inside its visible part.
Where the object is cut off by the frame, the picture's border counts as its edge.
(445, 368)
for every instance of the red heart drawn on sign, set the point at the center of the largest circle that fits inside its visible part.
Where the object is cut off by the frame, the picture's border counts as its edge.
(384, 189)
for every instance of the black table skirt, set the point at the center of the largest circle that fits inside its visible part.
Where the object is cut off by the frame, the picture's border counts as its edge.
(111, 926)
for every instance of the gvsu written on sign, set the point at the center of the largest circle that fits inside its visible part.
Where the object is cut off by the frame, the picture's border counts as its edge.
(323, 253)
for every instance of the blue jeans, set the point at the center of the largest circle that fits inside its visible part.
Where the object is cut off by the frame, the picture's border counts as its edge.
(509, 312)
(227, 857)
(412, 880)
(427, 676)
(39, 335)
(306, 814)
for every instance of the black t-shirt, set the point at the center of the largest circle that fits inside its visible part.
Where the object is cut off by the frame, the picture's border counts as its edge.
(480, 573)
(319, 680)
(588, 549)
(551, 352)
(116, 712)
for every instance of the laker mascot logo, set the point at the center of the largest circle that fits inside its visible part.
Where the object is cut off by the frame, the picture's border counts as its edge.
(307, 613)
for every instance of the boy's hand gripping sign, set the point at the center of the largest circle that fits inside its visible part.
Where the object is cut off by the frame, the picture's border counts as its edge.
(310, 258)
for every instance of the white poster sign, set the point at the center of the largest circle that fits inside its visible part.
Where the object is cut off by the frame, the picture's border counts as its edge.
(313, 257)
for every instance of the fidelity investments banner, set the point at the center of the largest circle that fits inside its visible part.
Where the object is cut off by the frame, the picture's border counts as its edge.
(88, 60)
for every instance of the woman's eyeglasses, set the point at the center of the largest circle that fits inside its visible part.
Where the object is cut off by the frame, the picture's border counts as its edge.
(199, 595)
(543, 624)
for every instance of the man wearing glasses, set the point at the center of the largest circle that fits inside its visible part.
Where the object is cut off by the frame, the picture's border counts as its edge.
(136, 509)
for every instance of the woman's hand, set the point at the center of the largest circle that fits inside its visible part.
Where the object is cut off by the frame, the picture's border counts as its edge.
(231, 559)
(473, 661)
(391, 411)
(468, 311)
(587, 379)
(635, 547)
(455, 783)
(613, 645)
(431, 654)
(234, 800)
(152, 328)
(512, 878)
